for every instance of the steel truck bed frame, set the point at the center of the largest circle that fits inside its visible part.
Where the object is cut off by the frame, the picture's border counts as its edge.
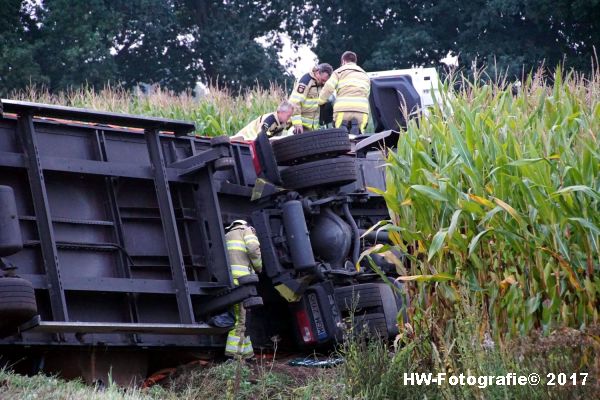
(122, 227)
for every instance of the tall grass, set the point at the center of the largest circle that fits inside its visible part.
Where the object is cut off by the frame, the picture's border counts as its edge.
(216, 113)
(14, 386)
(371, 371)
(495, 196)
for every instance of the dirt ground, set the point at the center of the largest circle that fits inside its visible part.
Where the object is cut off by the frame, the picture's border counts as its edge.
(260, 366)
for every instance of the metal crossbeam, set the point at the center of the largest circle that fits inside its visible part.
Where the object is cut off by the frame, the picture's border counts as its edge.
(167, 215)
(44, 220)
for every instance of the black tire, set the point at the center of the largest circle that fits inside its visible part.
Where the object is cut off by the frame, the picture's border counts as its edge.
(375, 323)
(373, 303)
(312, 145)
(224, 163)
(250, 279)
(358, 297)
(252, 302)
(332, 171)
(17, 303)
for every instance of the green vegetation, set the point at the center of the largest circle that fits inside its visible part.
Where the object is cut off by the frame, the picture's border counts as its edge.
(495, 197)
(217, 113)
(176, 43)
(372, 370)
(173, 43)
(263, 381)
(500, 193)
(13, 386)
(506, 35)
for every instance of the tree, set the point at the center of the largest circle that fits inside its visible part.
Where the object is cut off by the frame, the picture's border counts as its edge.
(173, 43)
(17, 65)
(151, 46)
(512, 34)
(72, 43)
(225, 34)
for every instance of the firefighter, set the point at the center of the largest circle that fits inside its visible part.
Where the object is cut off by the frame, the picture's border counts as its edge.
(305, 97)
(273, 124)
(244, 256)
(351, 85)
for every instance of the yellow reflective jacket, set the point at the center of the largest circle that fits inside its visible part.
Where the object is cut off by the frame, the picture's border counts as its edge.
(352, 85)
(243, 249)
(269, 122)
(305, 97)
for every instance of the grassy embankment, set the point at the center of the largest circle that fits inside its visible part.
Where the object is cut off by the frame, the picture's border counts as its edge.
(496, 196)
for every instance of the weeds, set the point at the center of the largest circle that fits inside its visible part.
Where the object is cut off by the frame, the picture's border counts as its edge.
(13, 386)
(373, 371)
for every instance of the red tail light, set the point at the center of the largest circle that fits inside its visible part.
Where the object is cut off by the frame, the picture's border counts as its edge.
(306, 332)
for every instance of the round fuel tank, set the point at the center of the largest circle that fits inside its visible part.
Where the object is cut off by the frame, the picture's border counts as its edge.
(331, 238)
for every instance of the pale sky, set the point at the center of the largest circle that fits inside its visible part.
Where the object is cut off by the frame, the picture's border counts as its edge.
(305, 58)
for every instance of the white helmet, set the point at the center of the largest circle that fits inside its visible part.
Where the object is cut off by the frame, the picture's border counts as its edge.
(236, 222)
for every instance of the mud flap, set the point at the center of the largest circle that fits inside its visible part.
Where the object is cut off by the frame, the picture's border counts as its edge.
(266, 158)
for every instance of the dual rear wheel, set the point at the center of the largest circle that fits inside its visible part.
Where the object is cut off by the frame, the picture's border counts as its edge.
(315, 159)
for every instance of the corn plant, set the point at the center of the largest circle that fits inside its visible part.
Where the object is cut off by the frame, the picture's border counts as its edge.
(216, 113)
(499, 188)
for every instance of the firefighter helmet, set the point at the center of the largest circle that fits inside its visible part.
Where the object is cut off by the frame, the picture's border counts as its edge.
(236, 222)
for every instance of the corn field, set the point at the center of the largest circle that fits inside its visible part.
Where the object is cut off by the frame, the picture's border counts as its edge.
(216, 113)
(495, 197)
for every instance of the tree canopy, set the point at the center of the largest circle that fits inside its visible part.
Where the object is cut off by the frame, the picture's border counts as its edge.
(175, 43)
(513, 34)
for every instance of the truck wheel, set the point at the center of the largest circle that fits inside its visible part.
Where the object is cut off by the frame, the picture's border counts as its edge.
(373, 303)
(332, 171)
(376, 324)
(17, 303)
(308, 146)
(358, 297)
(224, 163)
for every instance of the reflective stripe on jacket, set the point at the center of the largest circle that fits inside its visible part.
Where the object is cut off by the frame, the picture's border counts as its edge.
(269, 122)
(352, 86)
(305, 97)
(243, 249)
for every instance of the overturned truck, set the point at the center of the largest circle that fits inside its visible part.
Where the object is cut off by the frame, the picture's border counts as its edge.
(112, 236)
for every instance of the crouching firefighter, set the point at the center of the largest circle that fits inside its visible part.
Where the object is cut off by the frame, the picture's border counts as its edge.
(245, 258)
(273, 124)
